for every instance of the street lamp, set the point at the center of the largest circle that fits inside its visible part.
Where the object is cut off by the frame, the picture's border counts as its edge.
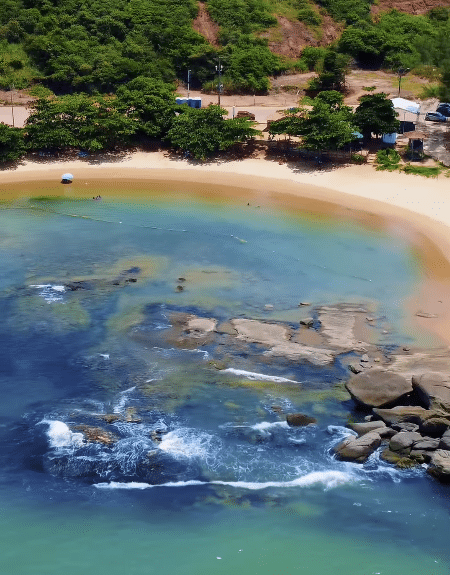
(401, 72)
(219, 69)
(189, 77)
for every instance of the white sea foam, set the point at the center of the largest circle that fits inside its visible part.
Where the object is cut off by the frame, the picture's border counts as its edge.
(60, 435)
(186, 443)
(49, 292)
(118, 485)
(329, 479)
(252, 375)
(266, 426)
(122, 401)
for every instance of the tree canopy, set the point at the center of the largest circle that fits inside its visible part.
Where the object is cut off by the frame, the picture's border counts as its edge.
(90, 123)
(203, 132)
(376, 115)
(12, 145)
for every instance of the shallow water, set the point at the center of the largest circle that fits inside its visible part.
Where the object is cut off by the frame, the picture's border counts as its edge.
(208, 478)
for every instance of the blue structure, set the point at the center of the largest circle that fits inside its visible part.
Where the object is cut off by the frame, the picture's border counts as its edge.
(191, 102)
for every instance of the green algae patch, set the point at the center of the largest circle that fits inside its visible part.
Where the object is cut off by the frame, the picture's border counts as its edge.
(33, 311)
(176, 388)
(147, 267)
(126, 319)
(291, 390)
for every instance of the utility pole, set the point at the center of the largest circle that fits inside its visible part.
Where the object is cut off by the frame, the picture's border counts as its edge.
(219, 69)
(189, 78)
(12, 104)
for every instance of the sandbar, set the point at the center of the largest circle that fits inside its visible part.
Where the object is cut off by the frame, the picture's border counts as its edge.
(413, 207)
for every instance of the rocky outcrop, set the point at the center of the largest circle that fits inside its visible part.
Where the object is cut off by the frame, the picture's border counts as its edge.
(378, 388)
(434, 390)
(367, 427)
(358, 448)
(402, 414)
(440, 465)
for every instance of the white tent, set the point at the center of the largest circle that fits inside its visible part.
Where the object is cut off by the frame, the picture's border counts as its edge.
(406, 105)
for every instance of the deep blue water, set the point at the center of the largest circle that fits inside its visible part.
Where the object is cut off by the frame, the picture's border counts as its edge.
(208, 478)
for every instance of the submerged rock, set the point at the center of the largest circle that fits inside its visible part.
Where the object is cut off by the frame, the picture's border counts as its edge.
(299, 419)
(97, 434)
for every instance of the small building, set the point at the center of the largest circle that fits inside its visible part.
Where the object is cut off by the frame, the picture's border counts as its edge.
(415, 144)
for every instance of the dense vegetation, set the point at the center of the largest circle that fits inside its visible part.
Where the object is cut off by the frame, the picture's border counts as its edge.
(95, 46)
(106, 70)
(329, 125)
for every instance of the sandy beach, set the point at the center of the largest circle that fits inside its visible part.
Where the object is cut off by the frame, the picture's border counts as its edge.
(412, 207)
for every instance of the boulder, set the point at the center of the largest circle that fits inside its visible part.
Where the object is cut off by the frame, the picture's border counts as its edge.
(358, 449)
(405, 426)
(433, 389)
(435, 425)
(378, 388)
(368, 426)
(404, 440)
(440, 465)
(445, 441)
(396, 459)
(427, 443)
(299, 419)
(402, 414)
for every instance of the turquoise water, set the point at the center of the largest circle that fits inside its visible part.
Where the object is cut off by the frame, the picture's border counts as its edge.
(227, 486)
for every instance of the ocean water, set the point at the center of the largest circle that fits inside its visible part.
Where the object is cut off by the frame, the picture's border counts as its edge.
(201, 475)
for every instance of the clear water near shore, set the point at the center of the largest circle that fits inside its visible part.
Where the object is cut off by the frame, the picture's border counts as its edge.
(239, 489)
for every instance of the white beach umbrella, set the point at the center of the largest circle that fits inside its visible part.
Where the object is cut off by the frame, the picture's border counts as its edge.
(67, 177)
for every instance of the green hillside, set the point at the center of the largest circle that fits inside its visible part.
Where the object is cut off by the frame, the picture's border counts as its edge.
(95, 46)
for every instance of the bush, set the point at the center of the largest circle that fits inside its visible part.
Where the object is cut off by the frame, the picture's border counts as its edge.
(358, 159)
(313, 57)
(388, 159)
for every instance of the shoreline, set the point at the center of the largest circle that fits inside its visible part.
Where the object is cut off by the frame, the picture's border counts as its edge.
(410, 207)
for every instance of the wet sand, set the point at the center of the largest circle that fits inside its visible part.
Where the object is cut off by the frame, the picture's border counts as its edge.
(412, 207)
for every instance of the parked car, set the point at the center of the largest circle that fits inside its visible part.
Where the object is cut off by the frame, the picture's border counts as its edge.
(435, 117)
(444, 108)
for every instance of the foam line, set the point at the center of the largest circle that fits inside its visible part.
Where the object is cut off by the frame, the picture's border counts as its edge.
(328, 479)
(258, 376)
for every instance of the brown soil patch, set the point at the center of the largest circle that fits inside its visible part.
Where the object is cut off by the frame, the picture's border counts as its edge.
(205, 26)
(294, 36)
(408, 6)
(19, 97)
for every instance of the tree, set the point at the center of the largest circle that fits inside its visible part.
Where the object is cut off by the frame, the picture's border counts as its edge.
(376, 115)
(332, 76)
(291, 123)
(80, 121)
(12, 145)
(151, 102)
(329, 125)
(204, 132)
